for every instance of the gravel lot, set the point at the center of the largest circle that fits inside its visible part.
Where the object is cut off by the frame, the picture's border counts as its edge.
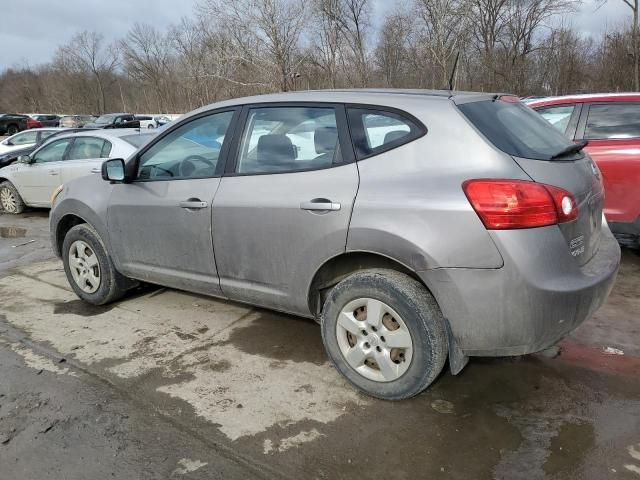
(167, 384)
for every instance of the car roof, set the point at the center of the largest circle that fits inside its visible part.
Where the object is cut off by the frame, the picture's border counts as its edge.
(107, 133)
(586, 97)
(381, 96)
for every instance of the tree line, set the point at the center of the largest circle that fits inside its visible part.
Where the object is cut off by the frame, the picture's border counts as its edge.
(243, 47)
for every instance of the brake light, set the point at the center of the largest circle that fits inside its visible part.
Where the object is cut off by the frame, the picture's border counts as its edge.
(510, 204)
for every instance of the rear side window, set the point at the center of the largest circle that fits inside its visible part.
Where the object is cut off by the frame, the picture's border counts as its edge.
(558, 116)
(86, 147)
(614, 120)
(515, 129)
(376, 131)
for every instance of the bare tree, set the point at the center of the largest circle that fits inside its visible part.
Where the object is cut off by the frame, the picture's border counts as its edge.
(86, 53)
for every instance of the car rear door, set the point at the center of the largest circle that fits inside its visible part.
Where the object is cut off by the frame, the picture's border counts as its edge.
(613, 132)
(160, 223)
(85, 157)
(284, 205)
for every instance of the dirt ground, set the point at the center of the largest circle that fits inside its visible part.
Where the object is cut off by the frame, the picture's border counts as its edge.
(166, 384)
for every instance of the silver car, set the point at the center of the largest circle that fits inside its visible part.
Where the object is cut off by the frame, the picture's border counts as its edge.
(33, 179)
(414, 226)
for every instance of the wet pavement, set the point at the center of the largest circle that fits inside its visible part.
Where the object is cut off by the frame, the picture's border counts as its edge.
(189, 386)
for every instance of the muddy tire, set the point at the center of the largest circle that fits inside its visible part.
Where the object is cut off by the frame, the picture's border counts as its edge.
(89, 268)
(385, 333)
(10, 199)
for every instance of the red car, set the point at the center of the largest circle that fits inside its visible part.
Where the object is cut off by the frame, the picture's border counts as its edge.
(611, 124)
(33, 123)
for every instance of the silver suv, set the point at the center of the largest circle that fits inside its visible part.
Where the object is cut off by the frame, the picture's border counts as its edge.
(413, 225)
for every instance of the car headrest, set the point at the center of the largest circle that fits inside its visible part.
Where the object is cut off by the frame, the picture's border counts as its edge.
(325, 139)
(394, 135)
(275, 149)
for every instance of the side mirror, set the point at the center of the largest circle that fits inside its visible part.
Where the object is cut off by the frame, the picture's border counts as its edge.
(113, 170)
(24, 159)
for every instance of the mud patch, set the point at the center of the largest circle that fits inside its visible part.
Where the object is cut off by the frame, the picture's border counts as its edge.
(568, 448)
(12, 232)
(79, 307)
(280, 337)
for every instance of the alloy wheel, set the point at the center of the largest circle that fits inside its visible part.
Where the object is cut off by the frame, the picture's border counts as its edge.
(8, 200)
(374, 340)
(84, 266)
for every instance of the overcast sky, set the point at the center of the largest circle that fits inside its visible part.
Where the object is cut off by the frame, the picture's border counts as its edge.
(32, 29)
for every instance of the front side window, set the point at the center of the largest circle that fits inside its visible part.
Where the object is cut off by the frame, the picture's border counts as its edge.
(288, 139)
(46, 134)
(376, 131)
(613, 120)
(86, 147)
(558, 116)
(191, 151)
(53, 152)
(25, 138)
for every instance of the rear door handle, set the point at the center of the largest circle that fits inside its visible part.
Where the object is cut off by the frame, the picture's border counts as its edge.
(193, 204)
(53, 172)
(321, 204)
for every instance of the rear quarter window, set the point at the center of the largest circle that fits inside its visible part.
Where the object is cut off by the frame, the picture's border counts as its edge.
(378, 130)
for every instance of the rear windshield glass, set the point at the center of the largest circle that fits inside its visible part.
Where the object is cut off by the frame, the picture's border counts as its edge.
(515, 129)
(138, 140)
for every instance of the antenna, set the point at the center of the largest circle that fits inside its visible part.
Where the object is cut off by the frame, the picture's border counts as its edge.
(454, 70)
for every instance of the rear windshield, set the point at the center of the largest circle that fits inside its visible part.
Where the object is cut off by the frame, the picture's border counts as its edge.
(138, 140)
(515, 129)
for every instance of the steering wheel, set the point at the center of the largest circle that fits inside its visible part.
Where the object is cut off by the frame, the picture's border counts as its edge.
(187, 166)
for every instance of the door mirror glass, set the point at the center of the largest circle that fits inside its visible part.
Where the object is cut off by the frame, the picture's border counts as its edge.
(113, 170)
(24, 159)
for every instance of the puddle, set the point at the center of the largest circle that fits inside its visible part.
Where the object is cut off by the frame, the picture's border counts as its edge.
(281, 337)
(12, 232)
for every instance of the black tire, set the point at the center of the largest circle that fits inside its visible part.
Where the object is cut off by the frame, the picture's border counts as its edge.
(419, 312)
(12, 129)
(14, 204)
(112, 285)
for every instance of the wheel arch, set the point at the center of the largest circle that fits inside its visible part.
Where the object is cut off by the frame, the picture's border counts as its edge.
(66, 223)
(341, 266)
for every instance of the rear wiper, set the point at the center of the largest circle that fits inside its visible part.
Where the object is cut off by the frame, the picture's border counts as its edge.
(573, 148)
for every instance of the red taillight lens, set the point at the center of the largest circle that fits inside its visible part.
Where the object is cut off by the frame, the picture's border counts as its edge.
(506, 204)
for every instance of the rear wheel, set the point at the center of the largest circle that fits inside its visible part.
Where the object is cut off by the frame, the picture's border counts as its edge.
(10, 199)
(385, 333)
(89, 268)
(12, 129)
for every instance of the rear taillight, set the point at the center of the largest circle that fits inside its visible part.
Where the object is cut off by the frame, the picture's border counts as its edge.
(506, 204)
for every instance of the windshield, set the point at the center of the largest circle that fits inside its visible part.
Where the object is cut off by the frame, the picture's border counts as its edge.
(515, 129)
(138, 140)
(104, 120)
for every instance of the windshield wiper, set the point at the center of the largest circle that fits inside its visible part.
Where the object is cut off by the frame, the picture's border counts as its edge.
(573, 148)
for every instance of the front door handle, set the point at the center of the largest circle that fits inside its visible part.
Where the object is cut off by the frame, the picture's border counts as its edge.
(320, 204)
(193, 204)
(53, 172)
(96, 170)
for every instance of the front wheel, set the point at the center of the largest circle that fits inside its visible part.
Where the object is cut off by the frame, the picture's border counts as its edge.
(10, 199)
(12, 129)
(89, 268)
(385, 333)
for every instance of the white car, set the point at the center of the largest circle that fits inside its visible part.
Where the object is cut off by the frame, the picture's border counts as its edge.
(33, 179)
(26, 139)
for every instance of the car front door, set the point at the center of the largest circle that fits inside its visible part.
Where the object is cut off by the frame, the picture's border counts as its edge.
(283, 208)
(160, 223)
(36, 181)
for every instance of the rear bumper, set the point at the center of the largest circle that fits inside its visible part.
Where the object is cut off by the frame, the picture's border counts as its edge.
(628, 234)
(535, 299)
